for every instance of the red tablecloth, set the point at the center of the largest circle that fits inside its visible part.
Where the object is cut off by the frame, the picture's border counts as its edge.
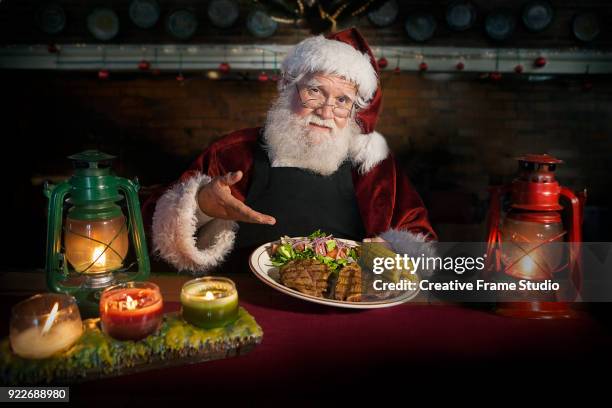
(308, 348)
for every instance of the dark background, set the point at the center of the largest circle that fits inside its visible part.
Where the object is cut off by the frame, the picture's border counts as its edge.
(454, 136)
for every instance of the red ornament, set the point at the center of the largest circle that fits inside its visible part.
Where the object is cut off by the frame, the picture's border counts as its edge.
(144, 65)
(156, 72)
(274, 78)
(539, 62)
(495, 76)
(103, 74)
(397, 70)
(180, 77)
(460, 66)
(423, 66)
(382, 63)
(519, 69)
(224, 67)
(263, 77)
(52, 48)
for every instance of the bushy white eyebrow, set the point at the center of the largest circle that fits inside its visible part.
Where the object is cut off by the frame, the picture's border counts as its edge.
(313, 83)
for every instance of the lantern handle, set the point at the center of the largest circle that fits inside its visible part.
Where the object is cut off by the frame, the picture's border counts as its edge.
(574, 236)
(130, 188)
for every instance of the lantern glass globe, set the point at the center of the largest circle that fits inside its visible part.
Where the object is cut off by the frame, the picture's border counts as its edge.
(532, 250)
(96, 246)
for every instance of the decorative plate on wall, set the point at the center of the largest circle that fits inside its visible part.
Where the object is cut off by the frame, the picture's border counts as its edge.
(223, 13)
(537, 15)
(461, 15)
(182, 24)
(144, 13)
(499, 25)
(51, 18)
(385, 15)
(260, 24)
(103, 24)
(420, 26)
(586, 27)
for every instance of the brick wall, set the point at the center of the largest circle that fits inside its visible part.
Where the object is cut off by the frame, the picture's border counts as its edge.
(454, 136)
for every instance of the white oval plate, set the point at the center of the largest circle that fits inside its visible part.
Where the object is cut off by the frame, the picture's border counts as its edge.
(262, 267)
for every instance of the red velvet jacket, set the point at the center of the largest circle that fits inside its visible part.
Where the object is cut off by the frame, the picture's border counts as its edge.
(385, 196)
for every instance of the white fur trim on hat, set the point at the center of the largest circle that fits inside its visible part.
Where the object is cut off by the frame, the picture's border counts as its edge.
(318, 54)
(176, 221)
(411, 244)
(367, 150)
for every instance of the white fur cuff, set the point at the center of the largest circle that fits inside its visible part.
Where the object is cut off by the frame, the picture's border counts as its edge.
(176, 221)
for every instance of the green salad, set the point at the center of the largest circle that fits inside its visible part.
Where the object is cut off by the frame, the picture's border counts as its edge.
(318, 245)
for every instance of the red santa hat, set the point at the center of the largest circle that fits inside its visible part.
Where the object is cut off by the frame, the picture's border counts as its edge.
(347, 54)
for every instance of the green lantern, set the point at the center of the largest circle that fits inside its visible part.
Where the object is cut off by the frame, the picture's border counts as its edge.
(96, 233)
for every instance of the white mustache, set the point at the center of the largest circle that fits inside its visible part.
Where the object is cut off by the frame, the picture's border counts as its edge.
(322, 122)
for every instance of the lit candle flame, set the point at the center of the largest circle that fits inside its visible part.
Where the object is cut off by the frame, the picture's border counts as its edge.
(50, 319)
(209, 295)
(99, 256)
(130, 304)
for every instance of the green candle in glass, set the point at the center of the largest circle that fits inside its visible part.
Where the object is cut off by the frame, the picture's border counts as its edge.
(209, 302)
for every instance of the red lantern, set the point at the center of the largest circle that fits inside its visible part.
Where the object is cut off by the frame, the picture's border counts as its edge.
(263, 77)
(518, 69)
(144, 65)
(382, 63)
(460, 66)
(539, 62)
(524, 243)
(224, 67)
(103, 74)
(495, 76)
(423, 66)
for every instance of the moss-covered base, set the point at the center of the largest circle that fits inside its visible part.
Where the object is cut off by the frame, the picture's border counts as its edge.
(97, 355)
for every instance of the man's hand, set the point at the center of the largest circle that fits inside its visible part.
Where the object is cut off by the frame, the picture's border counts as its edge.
(216, 200)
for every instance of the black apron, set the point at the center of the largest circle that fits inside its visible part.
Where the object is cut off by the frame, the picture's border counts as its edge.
(301, 201)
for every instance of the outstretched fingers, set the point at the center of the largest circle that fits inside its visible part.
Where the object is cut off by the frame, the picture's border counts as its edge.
(245, 213)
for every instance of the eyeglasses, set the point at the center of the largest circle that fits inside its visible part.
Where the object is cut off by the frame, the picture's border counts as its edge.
(316, 99)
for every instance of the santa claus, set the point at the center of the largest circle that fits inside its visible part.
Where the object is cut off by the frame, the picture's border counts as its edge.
(316, 164)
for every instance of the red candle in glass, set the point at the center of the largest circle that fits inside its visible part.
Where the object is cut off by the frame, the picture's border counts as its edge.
(131, 311)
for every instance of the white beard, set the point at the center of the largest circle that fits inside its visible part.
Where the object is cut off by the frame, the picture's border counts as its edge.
(290, 141)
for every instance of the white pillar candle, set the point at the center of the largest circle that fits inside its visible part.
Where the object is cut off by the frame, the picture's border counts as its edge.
(44, 325)
(32, 343)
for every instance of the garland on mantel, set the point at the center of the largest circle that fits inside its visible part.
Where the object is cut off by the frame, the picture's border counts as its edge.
(261, 58)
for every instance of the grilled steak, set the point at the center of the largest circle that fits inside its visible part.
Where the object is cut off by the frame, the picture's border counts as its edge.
(348, 286)
(308, 276)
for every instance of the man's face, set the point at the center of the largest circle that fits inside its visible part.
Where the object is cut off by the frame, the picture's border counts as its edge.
(333, 91)
(317, 136)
